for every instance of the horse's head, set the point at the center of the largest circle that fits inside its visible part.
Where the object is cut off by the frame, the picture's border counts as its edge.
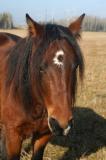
(57, 56)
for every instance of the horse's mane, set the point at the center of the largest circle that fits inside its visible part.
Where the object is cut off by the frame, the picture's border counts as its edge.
(22, 65)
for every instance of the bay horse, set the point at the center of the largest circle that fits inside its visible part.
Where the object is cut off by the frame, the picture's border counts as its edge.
(38, 80)
(7, 41)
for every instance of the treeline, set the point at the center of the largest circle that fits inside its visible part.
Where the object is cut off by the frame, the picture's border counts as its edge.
(90, 23)
(94, 24)
(6, 21)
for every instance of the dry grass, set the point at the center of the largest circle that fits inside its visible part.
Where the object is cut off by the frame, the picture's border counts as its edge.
(93, 94)
(88, 139)
(19, 32)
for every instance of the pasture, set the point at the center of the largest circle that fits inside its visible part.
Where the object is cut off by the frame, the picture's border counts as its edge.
(88, 139)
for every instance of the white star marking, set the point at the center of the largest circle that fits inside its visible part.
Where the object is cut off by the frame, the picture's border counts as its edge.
(56, 60)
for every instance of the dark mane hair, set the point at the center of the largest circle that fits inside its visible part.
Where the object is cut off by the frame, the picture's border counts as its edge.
(22, 64)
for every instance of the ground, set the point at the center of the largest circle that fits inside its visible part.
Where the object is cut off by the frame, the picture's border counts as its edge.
(88, 139)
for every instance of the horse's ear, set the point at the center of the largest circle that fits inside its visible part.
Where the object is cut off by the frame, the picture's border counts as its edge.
(34, 29)
(75, 27)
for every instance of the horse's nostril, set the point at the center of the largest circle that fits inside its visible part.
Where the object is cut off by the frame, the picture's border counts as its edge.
(53, 122)
(55, 127)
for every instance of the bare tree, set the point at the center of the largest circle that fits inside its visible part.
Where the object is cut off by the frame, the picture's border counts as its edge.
(6, 21)
(91, 23)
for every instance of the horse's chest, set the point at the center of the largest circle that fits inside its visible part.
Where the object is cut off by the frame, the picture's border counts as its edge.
(27, 128)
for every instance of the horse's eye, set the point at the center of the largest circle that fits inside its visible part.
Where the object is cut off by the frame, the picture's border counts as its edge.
(41, 70)
(43, 67)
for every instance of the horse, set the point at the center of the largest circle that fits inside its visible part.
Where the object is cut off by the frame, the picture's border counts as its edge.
(7, 41)
(38, 82)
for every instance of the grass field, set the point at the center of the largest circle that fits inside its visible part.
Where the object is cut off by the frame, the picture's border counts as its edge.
(88, 140)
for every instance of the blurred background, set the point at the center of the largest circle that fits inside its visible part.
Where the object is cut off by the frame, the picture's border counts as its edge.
(12, 13)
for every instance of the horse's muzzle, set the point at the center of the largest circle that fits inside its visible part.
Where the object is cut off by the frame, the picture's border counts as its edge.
(56, 129)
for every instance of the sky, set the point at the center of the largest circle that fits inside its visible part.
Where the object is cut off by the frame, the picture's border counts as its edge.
(49, 9)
